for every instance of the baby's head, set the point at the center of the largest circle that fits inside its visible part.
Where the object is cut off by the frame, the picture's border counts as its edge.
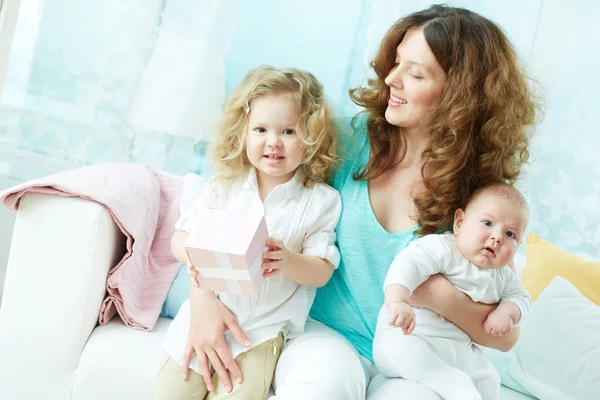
(490, 228)
(277, 120)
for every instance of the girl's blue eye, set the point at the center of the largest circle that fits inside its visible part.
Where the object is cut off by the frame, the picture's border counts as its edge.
(487, 223)
(288, 132)
(260, 130)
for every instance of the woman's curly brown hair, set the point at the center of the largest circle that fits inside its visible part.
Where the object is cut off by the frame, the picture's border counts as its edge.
(479, 127)
(315, 127)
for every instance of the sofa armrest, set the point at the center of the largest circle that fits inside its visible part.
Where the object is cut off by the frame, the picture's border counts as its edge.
(62, 249)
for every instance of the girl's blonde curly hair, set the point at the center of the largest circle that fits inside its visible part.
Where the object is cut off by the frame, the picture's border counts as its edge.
(315, 128)
(479, 127)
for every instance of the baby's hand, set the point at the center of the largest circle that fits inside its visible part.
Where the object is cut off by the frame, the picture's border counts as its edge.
(191, 270)
(401, 316)
(498, 323)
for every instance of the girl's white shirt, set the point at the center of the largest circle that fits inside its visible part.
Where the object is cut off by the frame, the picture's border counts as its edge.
(304, 219)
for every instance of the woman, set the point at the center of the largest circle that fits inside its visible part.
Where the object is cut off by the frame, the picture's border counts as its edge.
(446, 113)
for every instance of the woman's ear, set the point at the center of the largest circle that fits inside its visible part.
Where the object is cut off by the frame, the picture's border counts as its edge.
(459, 216)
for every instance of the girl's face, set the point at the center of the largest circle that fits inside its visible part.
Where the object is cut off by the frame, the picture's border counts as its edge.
(272, 145)
(416, 81)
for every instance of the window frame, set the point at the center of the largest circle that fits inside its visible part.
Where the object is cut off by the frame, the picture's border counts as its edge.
(9, 11)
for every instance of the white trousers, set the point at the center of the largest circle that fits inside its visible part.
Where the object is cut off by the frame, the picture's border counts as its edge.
(450, 364)
(322, 364)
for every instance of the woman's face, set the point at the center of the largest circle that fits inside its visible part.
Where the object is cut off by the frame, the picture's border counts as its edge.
(416, 81)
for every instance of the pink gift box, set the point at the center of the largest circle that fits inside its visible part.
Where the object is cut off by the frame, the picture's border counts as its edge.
(226, 248)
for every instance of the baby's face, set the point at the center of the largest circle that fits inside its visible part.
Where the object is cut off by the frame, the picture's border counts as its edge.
(489, 231)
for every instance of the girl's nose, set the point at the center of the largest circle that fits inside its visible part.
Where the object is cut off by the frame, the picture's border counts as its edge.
(273, 140)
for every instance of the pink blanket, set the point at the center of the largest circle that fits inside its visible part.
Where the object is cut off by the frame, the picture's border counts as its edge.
(144, 204)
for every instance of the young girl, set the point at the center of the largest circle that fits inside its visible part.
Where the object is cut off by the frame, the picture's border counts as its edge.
(276, 147)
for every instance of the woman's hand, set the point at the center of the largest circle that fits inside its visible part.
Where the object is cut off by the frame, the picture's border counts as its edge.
(275, 259)
(209, 321)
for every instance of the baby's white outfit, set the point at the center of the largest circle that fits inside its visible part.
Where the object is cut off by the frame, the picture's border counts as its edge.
(304, 219)
(438, 353)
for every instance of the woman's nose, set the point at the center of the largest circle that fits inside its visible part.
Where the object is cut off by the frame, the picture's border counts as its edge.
(394, 79)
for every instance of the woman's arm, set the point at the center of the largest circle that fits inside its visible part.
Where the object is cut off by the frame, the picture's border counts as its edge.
(439, 295)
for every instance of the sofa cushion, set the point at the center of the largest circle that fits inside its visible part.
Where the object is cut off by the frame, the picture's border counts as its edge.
(119, 363)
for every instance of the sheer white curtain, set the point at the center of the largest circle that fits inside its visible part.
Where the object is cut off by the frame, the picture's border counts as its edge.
(183, 85)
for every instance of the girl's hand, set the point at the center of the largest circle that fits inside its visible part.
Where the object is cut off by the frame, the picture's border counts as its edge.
(209, 321)
(191, 270)
(275, 259)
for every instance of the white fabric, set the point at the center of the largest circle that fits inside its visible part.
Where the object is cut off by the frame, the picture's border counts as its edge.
(304, 219)
(186, 100)
(452, 365)
(320, 364)
(433, 254)
(192, 185)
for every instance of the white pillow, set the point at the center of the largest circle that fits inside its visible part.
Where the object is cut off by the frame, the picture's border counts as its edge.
(558, 353)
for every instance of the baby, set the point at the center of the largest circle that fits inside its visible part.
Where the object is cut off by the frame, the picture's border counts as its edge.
(420, 345)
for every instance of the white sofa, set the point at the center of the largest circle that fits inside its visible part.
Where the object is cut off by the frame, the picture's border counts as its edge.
(50, 345)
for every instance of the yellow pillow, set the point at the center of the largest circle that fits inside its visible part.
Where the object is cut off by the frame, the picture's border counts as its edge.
(545, 261)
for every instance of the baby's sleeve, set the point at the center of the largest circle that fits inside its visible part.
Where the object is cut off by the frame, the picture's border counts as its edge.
(319, 241)
(514, 291)
(193, 196)
(422, 258)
